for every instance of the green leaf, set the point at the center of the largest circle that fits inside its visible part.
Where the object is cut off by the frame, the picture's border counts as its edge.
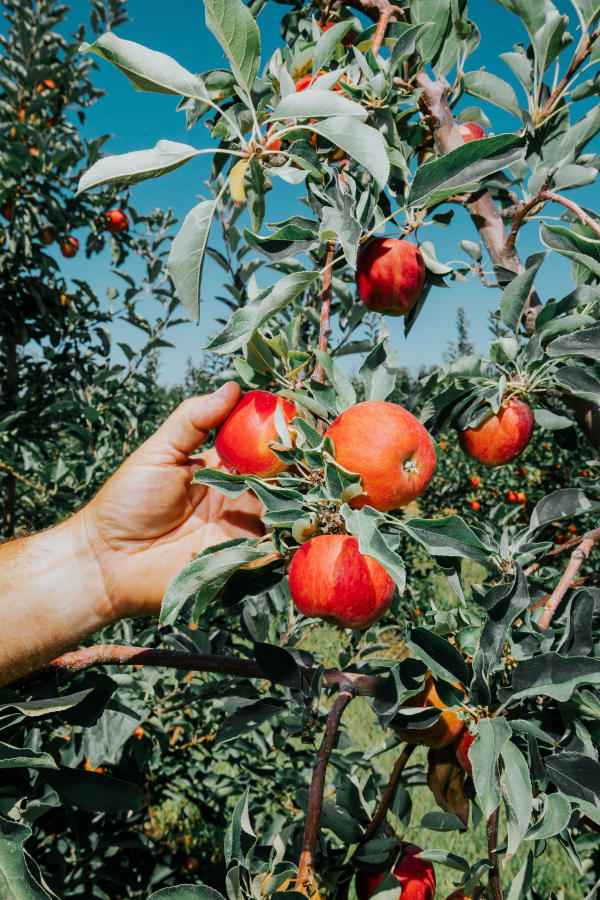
(240, 837)
(364, 524)
(579, 343)
(575, 775)
(380, 367)
(256, 186)
(93, 791)
(147, 70)
(139, 165)
(520, 885)
(438, 654)
(504, 604)
(516, 293)
(186, 259)
(365, 144)
(268, 302)
(285, 242)
(187, 892)
(554, 818)
(517, 793)
(463, 169)
(225, 482)
(16, 880)
(405, 44)
(441, 821)
(246, 716)
(560, 504)
(18, 757)
(234, 27)
(492, 736)
(45, 707)
(204, 576)
(587, 10)
(554, 675)
(489, 87)
(327, 43)
(345, 393)
(581, 249)
(314, 102)
(448, 536)
(576, 381)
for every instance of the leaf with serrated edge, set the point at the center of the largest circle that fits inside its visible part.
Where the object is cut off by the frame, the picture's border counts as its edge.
(186, 259)
(236, 30)
(139, 165)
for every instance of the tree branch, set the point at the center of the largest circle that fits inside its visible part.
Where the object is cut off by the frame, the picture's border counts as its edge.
(556, 551)
(491, 832)
(306, 874)
(324, 327)
(577, 558)
(545, 195)
(384, 19)
(117, 655)
(582, 54)
(384, 803)
(579, 582)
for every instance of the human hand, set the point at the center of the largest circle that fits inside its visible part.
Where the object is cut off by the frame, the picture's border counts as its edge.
(149, 520)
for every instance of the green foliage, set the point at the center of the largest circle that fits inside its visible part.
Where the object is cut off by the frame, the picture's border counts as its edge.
(473, 560)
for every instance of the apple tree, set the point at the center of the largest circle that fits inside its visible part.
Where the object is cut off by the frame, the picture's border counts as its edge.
(492, 702)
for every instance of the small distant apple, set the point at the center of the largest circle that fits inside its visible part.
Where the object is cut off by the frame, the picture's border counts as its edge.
(116, 221)
(69, 247)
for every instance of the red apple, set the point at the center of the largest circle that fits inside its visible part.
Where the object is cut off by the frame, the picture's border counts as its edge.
(69, 247)
(502, 436)
(310, 79)
(462, 751)
(116, 221)
(416, 877)
(390, 275)
(242, 441)
(390, 449)
(471, 131)
(330, 578)
(46, 85)
(447, 728)
(273, 144)
(476, 505)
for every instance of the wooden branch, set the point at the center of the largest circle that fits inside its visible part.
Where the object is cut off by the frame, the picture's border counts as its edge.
(579, 582)
(306, 873)
(384, 19)
(491, 831)
(117, 655)
(388, 794)
(539, 199)
(325, 327)
(556, 551)
(577, 558)
(582, 54)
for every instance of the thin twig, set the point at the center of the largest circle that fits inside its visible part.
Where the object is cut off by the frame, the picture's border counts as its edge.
(556, 551)
(577, 558)
(491, 831)
(15, 474)
(325, 327)
(381, 29)
(538, 200)
(579, 582)
(306, 874)
(384, 803)
(117, 655)
(579, 58)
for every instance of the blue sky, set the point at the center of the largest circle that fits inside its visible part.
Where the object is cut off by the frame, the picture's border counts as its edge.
(139, 120)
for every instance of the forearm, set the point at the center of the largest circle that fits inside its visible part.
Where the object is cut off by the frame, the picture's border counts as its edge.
(51, 597)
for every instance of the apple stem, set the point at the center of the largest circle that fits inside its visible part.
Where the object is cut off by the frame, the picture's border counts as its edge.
(492, 838)
(578, 556)
(388, 794)
(306, 874)
(324, 326)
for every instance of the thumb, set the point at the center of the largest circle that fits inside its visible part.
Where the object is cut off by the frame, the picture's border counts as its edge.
(188, 426)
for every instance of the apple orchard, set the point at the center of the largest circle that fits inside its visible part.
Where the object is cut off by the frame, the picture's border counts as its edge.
(395, 690)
